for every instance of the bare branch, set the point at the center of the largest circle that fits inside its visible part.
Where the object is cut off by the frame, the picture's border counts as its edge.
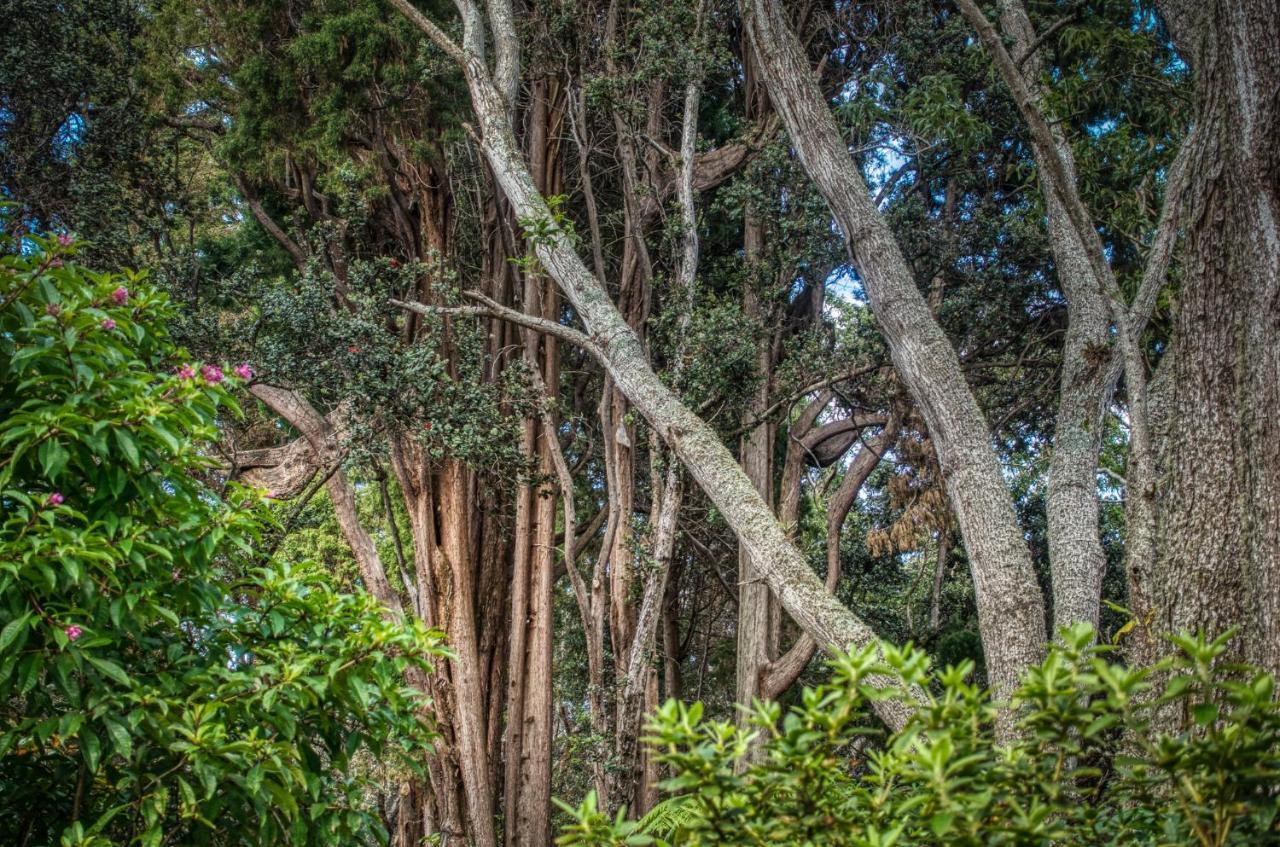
(493, 309)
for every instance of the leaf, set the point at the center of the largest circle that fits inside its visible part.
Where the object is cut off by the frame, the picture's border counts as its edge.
(120, 738)
(125, 440)
(1205, 713)
(941, 823)
(91, 746)
(111, 669)
(12, 629)
(53, 458)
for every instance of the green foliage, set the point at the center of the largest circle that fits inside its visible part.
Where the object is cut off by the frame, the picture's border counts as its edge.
(159, 682)
(1090, 763)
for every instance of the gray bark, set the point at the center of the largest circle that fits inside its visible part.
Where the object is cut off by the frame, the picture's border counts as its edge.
(1010, 605)
(1218, 534)
(1076, 557)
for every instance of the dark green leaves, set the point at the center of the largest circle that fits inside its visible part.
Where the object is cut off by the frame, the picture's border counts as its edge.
(158, 677)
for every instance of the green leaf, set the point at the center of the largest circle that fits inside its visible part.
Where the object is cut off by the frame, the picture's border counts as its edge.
(92, 749)
(120, 739)
(125, 440)
(12, 630)
(941, 823)
(111, 669)
(53, 458)
(1205, 713)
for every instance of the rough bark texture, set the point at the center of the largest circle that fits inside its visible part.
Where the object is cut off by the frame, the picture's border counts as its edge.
(1218, 539)
(1076, 557)
(1076, 241)
(1010, 606)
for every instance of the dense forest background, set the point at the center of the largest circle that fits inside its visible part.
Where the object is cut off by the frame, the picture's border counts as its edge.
(543, 362)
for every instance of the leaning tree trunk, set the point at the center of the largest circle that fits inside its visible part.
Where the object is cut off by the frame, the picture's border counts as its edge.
(1218, 531)
(618, 347)
(1010, 605)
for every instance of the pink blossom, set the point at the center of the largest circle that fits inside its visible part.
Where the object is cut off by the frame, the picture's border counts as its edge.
(108, 324)
(244, 371)
(120, 296)
(53, 309)
(270, 495)
(186, 372)
(55, 263)
(55, 499)
(211, 373)
(73, 632)
(66, 239)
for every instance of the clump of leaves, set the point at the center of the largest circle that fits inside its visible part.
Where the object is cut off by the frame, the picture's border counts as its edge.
(1183, 753)
(159, 681)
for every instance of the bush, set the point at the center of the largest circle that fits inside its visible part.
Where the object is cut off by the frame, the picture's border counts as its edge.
(1090, 766)
(160, 682)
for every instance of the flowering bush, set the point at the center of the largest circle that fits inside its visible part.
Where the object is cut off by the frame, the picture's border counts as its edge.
(160, 681)
(1186, 753)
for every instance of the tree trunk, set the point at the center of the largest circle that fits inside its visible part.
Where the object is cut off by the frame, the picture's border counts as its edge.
(1010, 605)
(1218, 532)
(756, 455)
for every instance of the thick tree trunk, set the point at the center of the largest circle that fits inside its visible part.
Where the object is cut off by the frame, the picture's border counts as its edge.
(1218, 536)
(1010, 605)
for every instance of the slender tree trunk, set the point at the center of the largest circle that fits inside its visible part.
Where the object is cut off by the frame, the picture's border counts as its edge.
(1010, 605)
(756, 455)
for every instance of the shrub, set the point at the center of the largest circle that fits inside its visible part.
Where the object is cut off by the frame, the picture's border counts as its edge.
(159, 681)
(1092, 764)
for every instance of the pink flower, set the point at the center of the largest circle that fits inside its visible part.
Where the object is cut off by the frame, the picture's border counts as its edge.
(73, 632)
(212, 374)
(55, 499)
(66, 239)
(55, 263)
(244, 371)
(108, 324)
(53, 309)
(120, 296)
(270, 495)
(186, 372)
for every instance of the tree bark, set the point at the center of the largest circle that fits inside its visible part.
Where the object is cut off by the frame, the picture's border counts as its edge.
(1218, 531)
(1010, 605)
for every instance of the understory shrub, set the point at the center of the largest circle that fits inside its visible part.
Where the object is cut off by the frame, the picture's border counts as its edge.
(161, 681)
(1182, 753)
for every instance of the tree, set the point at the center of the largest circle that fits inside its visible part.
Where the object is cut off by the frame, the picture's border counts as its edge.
(1217, 545)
